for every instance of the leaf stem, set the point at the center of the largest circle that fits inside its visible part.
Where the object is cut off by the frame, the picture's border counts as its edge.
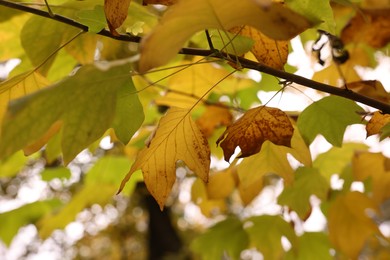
(245, 63)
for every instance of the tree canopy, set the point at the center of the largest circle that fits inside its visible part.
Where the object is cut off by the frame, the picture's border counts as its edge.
(189, 98)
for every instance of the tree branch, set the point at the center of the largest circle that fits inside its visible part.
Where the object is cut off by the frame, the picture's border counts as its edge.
(245, 63)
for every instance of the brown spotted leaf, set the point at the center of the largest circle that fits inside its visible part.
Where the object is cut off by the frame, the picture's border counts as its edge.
(116, 13)
(254, 128)
(177, 138)
(376, 123)
(371, 26)
(268, 51)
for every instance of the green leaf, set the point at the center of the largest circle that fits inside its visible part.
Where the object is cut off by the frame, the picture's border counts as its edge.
(125, 122)
(12, 220)
(311, 245)
(329, 116)
(224, 41)
(53, 173)
(10, 47)
(34, 37)
(12, 165)
(308, 181)
(19, 86)
(95, 19)
(319, 11)
(265, 233)
(226, 236)
(385, 132)
(334, 160)
(84, 104)
(101, 183)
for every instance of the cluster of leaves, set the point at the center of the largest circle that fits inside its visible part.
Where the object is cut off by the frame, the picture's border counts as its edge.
(72, 88)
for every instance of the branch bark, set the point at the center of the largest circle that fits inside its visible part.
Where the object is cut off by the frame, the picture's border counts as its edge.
(245, 63)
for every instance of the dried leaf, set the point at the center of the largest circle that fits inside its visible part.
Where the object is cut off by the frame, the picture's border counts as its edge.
(266, 50)
(212, 118)
(177, 138)
(188, 17)
(369, 26)
(254, 128)
(377, 121)
(116, 13)
(370, 88)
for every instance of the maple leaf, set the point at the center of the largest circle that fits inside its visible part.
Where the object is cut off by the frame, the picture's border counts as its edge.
(255, 127)
(349, 225)
(188, 17)
(177, 137)
(116, 13)
(376, 123)
(267, 51)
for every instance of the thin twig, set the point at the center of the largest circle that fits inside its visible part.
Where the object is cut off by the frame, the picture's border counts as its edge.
(245, 63)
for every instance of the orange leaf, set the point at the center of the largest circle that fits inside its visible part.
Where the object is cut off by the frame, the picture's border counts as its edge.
(268, 51)
(370, 88)
(377, 121)
(254, 128)
(177, 138)
(212, 118)
(369, 26)
(116, 13)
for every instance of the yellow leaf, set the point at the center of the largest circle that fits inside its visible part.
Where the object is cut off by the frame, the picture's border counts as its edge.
(370, 88)
(116, 13)
(221, 184)
(266, 50)
(272, 159)
(254, 128)
(349, 223)
(331, 75)
(18, 86)
(377, 121)
(34, 147)
(184, 88)
(188, 17)
(373, 165)
(212, 118)
(177, 138)
(208, 206)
